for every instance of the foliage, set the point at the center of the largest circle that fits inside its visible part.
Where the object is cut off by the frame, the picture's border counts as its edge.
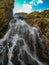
(41, 21)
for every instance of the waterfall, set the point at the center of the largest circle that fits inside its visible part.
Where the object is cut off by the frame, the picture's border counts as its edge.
(18, 35)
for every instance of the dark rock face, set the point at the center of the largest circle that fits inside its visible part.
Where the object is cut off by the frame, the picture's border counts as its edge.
(3, 53)
(24, 45)
(6, 14)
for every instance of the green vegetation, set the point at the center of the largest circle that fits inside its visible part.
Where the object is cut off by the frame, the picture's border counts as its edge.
(1, 24)
(41, 21)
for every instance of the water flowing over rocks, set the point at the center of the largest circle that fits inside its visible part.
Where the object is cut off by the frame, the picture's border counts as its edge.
(22, 45)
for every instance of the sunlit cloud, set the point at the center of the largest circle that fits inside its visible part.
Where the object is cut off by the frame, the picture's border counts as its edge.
(40, 2)
(36, 2)
(33, 2)
(27, 8)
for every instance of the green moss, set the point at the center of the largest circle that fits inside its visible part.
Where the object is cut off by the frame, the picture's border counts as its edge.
(43, 25)
(1, 24)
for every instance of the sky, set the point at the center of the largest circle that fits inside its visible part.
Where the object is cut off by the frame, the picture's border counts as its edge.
(29, 6)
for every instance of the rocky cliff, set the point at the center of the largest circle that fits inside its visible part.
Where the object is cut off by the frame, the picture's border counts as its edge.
(6, 14)
(41, 21)
(22, 45)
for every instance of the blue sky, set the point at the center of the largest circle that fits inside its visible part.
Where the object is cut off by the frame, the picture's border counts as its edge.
(28, 6)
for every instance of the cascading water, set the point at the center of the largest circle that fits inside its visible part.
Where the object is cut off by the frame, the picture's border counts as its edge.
(23, 36)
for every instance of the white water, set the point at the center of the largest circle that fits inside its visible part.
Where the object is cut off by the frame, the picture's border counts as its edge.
(14, 35)
(33, 58)
(15, 38)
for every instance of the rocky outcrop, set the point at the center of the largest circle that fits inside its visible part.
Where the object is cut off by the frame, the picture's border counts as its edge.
(41, 21)
(3, 53)
(6, 14)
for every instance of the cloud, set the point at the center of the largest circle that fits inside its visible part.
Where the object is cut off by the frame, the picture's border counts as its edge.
(33, 2)
(40, 2)
(36, 2)
(47, 8)
(27, 8)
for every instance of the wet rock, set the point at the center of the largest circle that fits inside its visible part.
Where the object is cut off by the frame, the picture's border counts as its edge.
(25, 45)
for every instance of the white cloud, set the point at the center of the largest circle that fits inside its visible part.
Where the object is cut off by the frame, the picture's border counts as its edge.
(47, 8)
(27, 8)
(36, 2)
(40, 2)
(32, 2)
